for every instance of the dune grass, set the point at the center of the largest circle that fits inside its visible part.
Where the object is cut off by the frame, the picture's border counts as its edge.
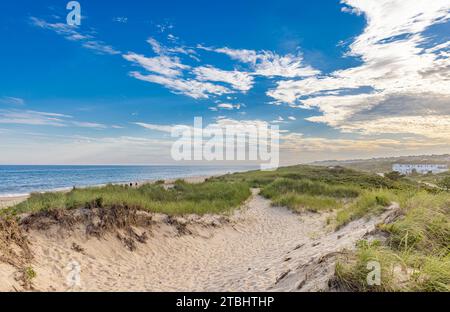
(416, 255)
(183, 198)
(303, 186)
(301, 202)
(315, 188)
(370, 202)
(332, 176)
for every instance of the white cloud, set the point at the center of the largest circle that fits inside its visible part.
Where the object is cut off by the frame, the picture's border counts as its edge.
(279, 120)
(36, 118)
(160, 128)
(242, 55)
(238, 80)
(100, 47)
(120, 19)
(163, 65)
(33, 118)
(12, 100)
(271, 65)
(400, 63)
(73, 33)
(189, 87)
(226, 106)
(268, 63)
(93, 125)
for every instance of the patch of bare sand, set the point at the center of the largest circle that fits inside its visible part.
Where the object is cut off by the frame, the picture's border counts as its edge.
(11, 201)
(259, 248)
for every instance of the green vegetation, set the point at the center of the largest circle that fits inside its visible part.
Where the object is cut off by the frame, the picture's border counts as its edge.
(310, 188)
(416, 255)
(182, 198)
(445, 183)
(332, 176)
(369, 203)
(30, 274)
(301, 203)
(394, 175)
(284, 185)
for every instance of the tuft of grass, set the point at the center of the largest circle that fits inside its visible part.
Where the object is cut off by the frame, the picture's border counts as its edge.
(369, 203)
(301, 203)
(30, 274)
(425, 226)
(183, 198)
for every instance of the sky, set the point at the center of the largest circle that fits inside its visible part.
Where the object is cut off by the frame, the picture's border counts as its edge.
(342, 79)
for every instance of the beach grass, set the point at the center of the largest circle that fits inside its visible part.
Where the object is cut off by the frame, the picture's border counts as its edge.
(416, 254)
(303, 186)
(370, 202)
(331, 176)
(301, 202)
(182, 198)
(313, 188)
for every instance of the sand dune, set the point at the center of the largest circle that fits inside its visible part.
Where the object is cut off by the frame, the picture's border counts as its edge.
(259, 248)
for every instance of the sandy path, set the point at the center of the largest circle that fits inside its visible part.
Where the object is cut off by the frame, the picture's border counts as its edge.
(262, 244)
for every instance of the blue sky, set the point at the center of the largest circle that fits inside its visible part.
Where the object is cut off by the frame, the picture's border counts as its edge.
(343, 79)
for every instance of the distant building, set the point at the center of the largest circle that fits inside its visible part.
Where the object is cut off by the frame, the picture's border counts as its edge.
(419, 168)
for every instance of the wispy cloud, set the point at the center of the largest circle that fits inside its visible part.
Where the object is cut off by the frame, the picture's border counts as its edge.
(37, 118)
(9, 100)
(268, 63)
(34, 118)
(74, 33)
(189, 87)
(162, 65)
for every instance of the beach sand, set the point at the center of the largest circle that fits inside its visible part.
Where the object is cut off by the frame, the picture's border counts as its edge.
(258, 248)
(11, 201)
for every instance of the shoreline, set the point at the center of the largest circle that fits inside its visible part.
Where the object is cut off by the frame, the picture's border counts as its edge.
(8, 201)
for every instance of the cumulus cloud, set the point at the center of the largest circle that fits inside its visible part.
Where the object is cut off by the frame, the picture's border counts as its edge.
(401, 85)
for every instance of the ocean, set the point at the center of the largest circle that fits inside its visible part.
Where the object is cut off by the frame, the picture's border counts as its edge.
(23, 180)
